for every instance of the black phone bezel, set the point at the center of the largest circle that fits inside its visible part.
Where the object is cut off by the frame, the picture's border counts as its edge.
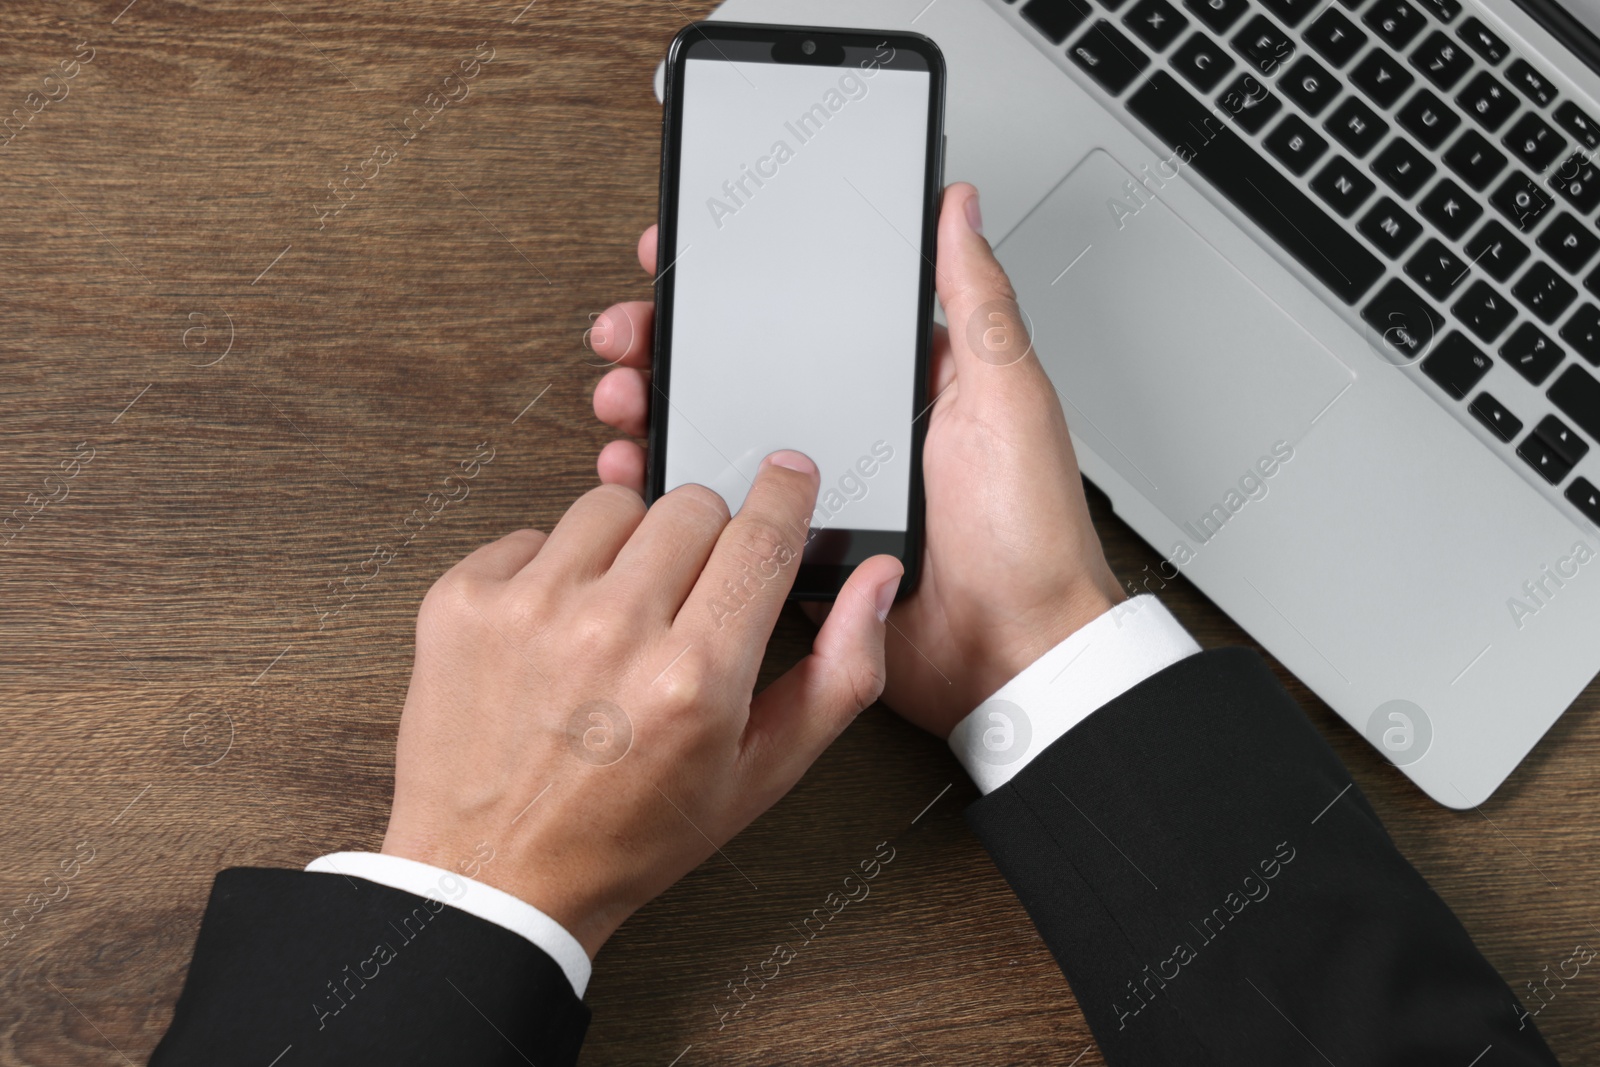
(814, 581)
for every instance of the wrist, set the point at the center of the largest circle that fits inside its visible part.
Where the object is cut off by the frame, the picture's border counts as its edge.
(1019, 644)
(589, 920)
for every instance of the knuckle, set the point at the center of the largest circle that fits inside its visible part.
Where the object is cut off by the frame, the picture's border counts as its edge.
(762, 545)
(684, 686)
(447, 605)
(996, 283)
(597, 633)
(986, 307)
(866, 678)
(618, 500)
(527, 534)
(695, 495)
(524, 609)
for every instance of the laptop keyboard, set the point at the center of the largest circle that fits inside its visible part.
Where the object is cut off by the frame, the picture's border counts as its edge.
(1398, 150)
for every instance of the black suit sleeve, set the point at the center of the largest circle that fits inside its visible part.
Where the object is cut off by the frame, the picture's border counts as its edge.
(299, 969)
(1211, 902)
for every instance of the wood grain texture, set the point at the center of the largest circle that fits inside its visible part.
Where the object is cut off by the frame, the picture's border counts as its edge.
(201, 666)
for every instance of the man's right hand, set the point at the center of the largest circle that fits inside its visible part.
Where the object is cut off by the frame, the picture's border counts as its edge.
(1011, 565)
(613, 663)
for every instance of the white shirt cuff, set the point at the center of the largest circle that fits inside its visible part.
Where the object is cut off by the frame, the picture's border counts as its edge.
(1115, 652)
(473, 897)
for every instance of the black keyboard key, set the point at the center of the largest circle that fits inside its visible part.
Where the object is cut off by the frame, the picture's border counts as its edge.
(1577, 394)
(1108, 56)
(1578, 181)
(1218, 14)
(1389, 227)
(1497, 417)
(1530, 83)
(1449, 207)
(1475, 159)
(1056, 18)
(1296, 144)
(1484, 311)
(1496, 252)
(1443, 10)
(1483, 40)
(1202, 61)
(1533, 141)
(1457, 365)
(1544, 459)
(1441, 60)
(1335, 37)
(1559, 436)
(1406, 324)
(1263, 45)
(1249, 102)
(1403, 167)
(1396, 21)
(1356, 126)
(1487, 101)
(1291, 11)
(1569, 242)
(1521, 201)
(1258, 188)
(1342, 185)
(1109, 5)
(1381, 77)
(1582, 332)
(1309, 84)
(1544, 292)
(1155, 22)
(1586, 497)
(1531, 353)
(1437, 269)
(1592, 282)
(1572, 118)
(1428, 119)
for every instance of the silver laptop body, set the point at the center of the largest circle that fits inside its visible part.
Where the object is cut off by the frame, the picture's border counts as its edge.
(1359, 417)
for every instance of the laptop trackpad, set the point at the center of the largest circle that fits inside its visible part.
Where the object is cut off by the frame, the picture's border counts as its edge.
(1174, 367)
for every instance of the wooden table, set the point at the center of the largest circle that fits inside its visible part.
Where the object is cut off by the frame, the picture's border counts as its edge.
(252, 317)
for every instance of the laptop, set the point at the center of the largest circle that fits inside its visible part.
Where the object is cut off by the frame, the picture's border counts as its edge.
(1318, 283)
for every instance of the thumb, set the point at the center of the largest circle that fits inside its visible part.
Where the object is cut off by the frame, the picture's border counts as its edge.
(799, 715)
(987, 329)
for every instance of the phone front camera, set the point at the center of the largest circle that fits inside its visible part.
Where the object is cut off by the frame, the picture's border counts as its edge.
(808, 47)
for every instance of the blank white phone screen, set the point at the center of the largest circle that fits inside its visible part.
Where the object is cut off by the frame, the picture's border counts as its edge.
(796, 274)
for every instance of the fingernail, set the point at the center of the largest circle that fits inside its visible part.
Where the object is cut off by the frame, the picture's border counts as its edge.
(795, 461)
(974, 214)
(885, 598)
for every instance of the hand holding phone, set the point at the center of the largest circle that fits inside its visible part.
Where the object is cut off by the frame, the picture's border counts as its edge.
(1012, 565)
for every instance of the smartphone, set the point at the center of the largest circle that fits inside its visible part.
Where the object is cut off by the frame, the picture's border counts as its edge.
(801, 172)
